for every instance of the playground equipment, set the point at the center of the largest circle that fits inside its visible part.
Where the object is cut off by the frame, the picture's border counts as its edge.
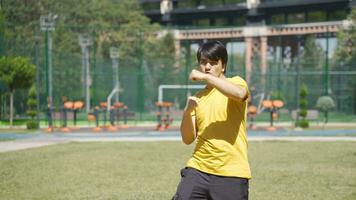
(103, 106)
(121, 110)
(95, 117)
(49, 115)
(252, 112)
(118, 109)
(163, 119)
(112, 114)
(67, 107)
(273, 106)
(77, 106)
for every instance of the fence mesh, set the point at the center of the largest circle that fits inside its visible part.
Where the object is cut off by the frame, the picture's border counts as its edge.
(141, 74)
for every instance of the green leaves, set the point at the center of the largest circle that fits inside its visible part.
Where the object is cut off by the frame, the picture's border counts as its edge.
(31, 108)
(303, 103)
(16, 72)
(346, 51)
(325, 103)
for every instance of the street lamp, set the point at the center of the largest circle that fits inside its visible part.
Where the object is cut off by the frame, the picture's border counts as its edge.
(37, 40)
(85, 41)
(114, 55)
(300, 49)
(47, 25)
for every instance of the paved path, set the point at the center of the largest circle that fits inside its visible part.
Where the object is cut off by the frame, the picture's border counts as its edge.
(24, 144)
(41, 139)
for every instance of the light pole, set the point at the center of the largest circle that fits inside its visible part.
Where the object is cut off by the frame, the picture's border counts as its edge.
(47, 25)
(114, 55)
(299, 53)
(326, 68)
(140, 93)
(37, 40)
(85, 41)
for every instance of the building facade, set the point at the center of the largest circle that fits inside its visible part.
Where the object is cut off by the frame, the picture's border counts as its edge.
(264, 37)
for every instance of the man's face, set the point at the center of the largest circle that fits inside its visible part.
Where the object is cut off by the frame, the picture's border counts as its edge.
(214, 68)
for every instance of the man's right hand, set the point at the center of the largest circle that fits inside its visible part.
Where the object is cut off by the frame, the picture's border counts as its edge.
(192, 103)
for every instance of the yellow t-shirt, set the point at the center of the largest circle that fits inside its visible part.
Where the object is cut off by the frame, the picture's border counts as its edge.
(221, 146)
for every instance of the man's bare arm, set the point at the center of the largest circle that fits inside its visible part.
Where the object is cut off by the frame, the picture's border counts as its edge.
(229, 89)
(188, 127)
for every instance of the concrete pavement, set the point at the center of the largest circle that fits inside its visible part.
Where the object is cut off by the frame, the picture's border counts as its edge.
(45, 139)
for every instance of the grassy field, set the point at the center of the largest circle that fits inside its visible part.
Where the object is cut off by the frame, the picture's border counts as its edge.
(150, 170)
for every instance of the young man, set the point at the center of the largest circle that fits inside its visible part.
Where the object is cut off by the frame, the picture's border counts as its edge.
(216, 118)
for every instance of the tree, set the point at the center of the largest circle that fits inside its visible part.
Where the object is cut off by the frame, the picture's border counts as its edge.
(345, 58)
(31, 108)
(119, 23)
(312, 59)
(346, 51)
(312, 54)
(2, 32)
(324, 104)
(16, 73)
(303, 112)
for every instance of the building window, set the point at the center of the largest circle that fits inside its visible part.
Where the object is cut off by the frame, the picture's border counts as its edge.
(187, 4)
(337, 15)
(277, 19)
(296, 18)
(221, 21)
(209, 3)
(234, 1)
(239, 21)
(201, 22)
(151, 6)
(316, 16)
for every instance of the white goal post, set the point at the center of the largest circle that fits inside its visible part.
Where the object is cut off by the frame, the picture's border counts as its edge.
(162, 87)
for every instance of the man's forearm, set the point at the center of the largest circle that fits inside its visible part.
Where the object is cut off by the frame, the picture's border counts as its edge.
(187, 128)
(229, 89)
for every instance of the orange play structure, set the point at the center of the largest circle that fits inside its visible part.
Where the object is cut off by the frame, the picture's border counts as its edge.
(252, 113)
(68, 106)
(163, 115)
(116, 110)
(273, 106)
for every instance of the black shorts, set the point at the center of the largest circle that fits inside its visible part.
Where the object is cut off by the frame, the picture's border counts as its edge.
(200, 185)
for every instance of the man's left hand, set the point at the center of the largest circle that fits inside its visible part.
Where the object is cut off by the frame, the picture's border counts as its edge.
(196, 75)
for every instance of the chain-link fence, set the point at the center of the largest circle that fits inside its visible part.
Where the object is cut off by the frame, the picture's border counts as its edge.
(141, 74)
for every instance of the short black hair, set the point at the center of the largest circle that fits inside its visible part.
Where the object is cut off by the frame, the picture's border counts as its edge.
(213, 50)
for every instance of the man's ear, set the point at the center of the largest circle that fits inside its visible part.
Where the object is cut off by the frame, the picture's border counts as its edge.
(224, 68)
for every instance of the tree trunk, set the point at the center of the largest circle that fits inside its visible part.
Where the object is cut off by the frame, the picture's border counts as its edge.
(11, 107)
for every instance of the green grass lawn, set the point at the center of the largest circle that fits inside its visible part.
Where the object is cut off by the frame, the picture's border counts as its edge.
(5, 139)
(150, 170)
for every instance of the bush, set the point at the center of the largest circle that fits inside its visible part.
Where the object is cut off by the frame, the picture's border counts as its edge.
(324, 104)
(303, 123)
(303, 103)
(31, 109)
(303, 113)
(303, 107)
(31, 113)
(32, 124)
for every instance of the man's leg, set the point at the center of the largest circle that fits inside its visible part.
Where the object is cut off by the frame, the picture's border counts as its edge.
(193, 185)
(228, 188)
